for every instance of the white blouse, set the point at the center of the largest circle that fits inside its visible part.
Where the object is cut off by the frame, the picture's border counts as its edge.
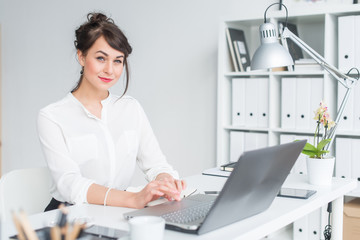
(81, 149)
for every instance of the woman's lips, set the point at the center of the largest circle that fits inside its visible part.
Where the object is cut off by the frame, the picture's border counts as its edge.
(105, 79)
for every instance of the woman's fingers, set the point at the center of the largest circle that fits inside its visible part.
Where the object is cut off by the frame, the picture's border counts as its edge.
(184, 184)
(170, 189)
(180, 185)
(170, 192)
(156, 189)
(166, 187)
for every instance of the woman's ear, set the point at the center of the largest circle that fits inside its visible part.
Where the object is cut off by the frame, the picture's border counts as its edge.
(81, 58)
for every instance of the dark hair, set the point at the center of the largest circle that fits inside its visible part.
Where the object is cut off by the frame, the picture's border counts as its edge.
(99, 25)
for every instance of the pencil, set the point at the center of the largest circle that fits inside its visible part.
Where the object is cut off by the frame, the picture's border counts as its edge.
(18, 227)
(75, 231)
(55, 233)
(29, 231)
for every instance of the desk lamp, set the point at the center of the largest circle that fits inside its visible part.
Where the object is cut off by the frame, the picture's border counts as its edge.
(272, 54)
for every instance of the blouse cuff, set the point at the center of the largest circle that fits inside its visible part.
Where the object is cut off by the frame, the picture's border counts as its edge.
(79, 193)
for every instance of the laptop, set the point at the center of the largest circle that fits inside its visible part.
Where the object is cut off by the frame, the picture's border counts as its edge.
(250, 189)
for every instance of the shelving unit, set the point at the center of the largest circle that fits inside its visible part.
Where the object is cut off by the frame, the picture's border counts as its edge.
(319, 29)
(0, 109)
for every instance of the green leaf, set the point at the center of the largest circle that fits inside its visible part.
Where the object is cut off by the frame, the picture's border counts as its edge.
(310, 147)
(323, 143)
(323, 152)
(309, 153)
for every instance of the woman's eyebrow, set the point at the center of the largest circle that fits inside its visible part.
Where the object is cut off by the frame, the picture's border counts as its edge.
(121, 56)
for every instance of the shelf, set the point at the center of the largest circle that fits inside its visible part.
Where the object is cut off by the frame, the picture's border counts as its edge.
(279, 73)
(318, 27)
(241, 128)
(355, 193)
(293, 131)
(348, 134)
(285, 131)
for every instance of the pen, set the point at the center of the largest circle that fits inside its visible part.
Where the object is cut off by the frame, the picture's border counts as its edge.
(63, 215)
(211, 192)
(189, 194)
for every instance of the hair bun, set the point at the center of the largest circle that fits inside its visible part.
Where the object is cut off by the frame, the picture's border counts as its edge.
(98, 18)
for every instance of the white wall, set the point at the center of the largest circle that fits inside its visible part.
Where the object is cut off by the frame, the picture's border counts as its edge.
(173, 69)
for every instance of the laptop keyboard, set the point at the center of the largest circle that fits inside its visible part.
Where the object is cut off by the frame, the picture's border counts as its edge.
(188, 215)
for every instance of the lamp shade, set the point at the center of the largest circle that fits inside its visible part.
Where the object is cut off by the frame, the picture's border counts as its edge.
(270, 54)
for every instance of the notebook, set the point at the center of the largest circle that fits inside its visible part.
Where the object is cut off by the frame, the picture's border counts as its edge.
(250, 189)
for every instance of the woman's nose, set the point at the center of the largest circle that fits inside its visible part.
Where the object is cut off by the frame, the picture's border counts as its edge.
(108, 68)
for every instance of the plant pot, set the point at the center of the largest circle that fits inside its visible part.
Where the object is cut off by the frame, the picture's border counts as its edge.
(320, 171)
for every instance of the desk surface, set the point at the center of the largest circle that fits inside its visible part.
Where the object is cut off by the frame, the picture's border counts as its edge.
(282, 211)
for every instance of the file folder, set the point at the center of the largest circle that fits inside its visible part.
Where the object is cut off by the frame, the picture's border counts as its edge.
(238, 101)
(263, 102)
(253, 140)
(310, 227)
(347, 121)
(250, 142)
(287, 138)
(346, 42)
(356, 108)
(357, 42)
(251, 111)
(314, 224)
(301, 229)
(343, 157)
(302, 118)
(355, 160)
(288, 102)
(300, 166)
(236, 145)
(262, 140)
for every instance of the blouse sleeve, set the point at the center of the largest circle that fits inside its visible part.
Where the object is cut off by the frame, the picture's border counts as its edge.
(150, 158)
(64, 170)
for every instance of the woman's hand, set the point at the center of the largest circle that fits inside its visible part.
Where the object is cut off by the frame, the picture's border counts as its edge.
(173, 184)
(163, 186)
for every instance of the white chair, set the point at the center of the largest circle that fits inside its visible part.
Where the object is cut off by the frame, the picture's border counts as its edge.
(25, 189)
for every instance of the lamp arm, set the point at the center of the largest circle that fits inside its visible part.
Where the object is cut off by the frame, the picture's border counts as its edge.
(332, 132)
(346, 81)
(341, 77)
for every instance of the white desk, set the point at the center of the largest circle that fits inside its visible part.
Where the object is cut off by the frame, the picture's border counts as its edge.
(282, 212)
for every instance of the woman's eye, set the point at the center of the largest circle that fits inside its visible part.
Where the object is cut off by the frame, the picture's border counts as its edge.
(100, 58)
(118, 61)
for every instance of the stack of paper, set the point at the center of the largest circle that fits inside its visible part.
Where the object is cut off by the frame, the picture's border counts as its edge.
(306, 65)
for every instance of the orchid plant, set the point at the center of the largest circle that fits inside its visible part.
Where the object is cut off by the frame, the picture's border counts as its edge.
(322, 117)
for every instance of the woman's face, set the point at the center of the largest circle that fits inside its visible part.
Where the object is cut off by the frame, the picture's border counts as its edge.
(102, 64)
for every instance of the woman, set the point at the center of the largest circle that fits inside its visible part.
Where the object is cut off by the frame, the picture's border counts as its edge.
(92, 139)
